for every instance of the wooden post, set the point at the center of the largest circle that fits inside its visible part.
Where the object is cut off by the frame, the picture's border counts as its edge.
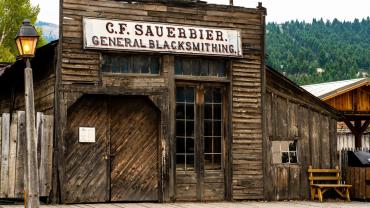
(358, 134)
(32, 180)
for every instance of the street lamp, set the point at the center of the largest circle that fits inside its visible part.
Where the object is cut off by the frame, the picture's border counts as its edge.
(26, 41)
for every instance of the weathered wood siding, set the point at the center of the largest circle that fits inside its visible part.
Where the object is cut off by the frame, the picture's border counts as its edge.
(12, 82)
(13, 149)
(80, 73)
(293, 114)
(354, 100)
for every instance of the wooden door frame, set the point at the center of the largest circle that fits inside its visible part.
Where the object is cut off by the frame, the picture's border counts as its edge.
(72, 95)
(226, 145)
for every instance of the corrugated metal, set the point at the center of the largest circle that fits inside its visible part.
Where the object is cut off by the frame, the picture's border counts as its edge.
(324, 88)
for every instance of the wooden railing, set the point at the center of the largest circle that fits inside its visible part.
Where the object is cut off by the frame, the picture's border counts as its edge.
(13, 153)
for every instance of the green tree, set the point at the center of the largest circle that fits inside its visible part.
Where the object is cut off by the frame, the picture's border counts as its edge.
(12, 14)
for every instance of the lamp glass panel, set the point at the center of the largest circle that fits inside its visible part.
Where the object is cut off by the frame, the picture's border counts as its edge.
(19, 46)
(28, 45)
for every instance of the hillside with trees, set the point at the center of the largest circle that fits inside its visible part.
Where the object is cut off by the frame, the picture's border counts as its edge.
(319, 51)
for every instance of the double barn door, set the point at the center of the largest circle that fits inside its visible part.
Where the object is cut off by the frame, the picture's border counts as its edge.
(122, 164)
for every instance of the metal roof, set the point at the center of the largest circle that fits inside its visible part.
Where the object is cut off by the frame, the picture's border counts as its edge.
(324, 90)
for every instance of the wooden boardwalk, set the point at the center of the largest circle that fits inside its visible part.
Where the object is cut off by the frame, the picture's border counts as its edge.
(247, 204)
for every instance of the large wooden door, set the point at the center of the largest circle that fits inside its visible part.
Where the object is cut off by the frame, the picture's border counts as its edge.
(86, 164)
(134, 149)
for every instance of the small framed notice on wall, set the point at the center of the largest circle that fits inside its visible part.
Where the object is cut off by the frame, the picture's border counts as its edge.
(87, 134)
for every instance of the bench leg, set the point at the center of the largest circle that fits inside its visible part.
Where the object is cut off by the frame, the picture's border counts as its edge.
(319, 194)
(313, 191)
(347, 194)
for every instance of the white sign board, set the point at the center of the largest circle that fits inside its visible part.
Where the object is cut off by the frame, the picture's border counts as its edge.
(159, 37)
(87, 134)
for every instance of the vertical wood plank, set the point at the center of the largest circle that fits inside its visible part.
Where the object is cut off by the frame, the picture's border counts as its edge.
(315, 139)
(282, 118)
(12, 154)
(294, 182)
(292, 120)
(40, 135)
(333, 142)
(4, 155)
(324, 142)
(304, 155)
(46, 155)
(362, 184)
(282, 182)
(21, 151)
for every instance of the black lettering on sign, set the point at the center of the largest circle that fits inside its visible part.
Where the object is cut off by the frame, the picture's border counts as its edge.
(181, 32)
(112, 41)
(151, 44)
(207, 46)
(219, 36)
(95, 40)
(139, 29)
(136, 43)
(195, 46)
(181, 45)
(193, 34)
(120, 42)
(122, 28)
(231, 49)
(103, 41)
(141, 44)
(170, 32)
(109, 27)
(173, 45)
(128, 42)
(158, 46)
(188, 46)
(149, 31)
(209, 34)
(159, 30)
(165, 45)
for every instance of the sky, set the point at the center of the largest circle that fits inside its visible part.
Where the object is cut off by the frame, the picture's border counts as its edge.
(277, 10)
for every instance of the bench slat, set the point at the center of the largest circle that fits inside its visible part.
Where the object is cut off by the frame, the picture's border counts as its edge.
(324, 178)
(323, 170)
(332, 185)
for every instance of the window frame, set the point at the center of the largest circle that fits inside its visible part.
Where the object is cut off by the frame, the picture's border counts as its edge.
(131, 74)
(199, 122)
(296, 140)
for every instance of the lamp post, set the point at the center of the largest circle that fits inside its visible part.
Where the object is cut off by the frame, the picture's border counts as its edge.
(26, 41)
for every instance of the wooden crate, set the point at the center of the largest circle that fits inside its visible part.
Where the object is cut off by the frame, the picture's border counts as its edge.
(359, 178)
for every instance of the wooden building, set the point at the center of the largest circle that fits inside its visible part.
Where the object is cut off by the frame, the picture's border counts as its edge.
(143, 117)
(352, 99)
(300, 131)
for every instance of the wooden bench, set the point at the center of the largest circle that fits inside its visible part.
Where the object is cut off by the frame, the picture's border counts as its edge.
(322, 180)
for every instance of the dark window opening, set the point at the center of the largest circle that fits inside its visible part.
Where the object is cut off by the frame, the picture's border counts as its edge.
(136, 64)
(284, 152)
(212, 128)
(200, 67)
(185, 135)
